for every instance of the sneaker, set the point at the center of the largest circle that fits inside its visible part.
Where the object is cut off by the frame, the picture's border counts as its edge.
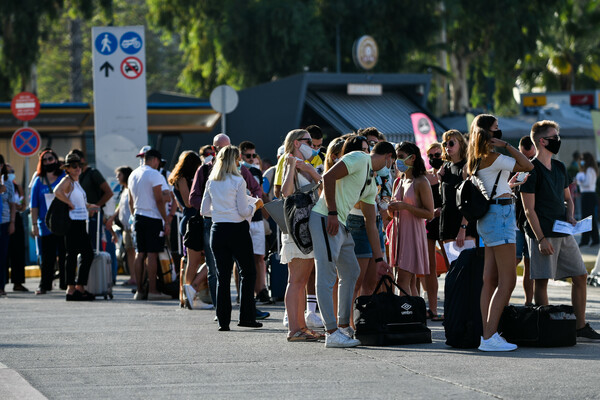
(348, 331)
(190, 293)
(312, 319)
(338, 340)
(159, 296)
(263, 297)
(285, 319)
(587, 333)
(200, 305)
(138, 296)
(496, 343)
(262, 314)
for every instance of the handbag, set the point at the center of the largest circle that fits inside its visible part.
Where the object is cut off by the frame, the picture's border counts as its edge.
(297, 208)
(57, 217)
(166, 267)
(275, 210)
(194, 234)
(387, 319)
(539, 326)
(471, 202)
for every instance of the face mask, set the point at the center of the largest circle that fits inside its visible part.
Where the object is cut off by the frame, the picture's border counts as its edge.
(239, 167)
(436, 163)
(50, 167)
(582, 163)
(385, 171)
(208, 159)
(553, 145)
(308, 152)
(11, 177)
(401, 166)
(497, 134)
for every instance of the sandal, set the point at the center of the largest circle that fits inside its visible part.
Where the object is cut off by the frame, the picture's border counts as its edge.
(301, 336)
(316, 335)
(434, 317)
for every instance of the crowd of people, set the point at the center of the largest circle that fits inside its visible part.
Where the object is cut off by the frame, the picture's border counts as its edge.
(378, 209)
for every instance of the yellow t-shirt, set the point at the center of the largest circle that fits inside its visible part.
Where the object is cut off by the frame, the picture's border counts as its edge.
(316, 162)
(348, 189)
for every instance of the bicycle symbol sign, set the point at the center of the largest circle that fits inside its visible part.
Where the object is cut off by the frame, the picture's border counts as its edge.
(131, 42)
(132, 68)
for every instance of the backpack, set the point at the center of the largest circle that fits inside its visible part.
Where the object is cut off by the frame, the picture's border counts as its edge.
(297, 208)
(471, 202)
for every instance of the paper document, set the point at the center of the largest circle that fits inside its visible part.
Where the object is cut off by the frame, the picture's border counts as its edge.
(453, 251)
(585, 225)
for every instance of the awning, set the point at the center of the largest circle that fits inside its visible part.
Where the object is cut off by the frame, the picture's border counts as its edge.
(389, 112)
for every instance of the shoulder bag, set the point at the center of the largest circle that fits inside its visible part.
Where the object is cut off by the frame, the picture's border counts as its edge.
(470, 201)
(297, 208)
(57, 218)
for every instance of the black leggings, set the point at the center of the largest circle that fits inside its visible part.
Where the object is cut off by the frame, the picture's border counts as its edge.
(77, 241)
(52, 245)
(230, 241)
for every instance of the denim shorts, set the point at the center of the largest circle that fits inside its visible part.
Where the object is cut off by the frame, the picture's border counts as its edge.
(358, 230)
(498, 226)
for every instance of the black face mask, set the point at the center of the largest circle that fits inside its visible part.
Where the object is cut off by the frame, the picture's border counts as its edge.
(497, 134)
(436, 163)
(553, 145)
(50, 167)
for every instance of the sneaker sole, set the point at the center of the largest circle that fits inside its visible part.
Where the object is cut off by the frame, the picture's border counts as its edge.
(340, 345)
(583, 339)
(491, 350)
(189, 298)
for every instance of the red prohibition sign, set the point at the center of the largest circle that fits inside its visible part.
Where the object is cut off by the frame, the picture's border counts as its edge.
(132, 68)
(26, 141)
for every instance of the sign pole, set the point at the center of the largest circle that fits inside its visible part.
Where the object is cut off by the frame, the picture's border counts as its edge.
(224, 99)
(223, 104)
(26, 170)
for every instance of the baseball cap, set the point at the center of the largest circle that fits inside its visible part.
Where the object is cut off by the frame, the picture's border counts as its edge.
(143, 151)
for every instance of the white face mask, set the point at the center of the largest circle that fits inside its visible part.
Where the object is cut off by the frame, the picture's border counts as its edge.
(307, 152)
(208, 159)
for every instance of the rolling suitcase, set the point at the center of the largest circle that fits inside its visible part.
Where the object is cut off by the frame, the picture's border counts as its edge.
(100, 278)
(278, 276)
(462, 312)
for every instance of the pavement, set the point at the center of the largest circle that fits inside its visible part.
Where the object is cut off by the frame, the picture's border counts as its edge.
(121, 348)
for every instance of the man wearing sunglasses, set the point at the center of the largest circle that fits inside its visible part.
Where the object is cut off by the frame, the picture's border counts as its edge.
(553, 254)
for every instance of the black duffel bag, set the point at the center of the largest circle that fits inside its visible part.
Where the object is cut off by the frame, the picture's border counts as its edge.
(57, 218)
(388, 319)
(471, 202)
(539, 326)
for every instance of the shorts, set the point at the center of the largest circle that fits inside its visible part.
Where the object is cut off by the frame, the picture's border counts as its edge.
(522, 248)
(257, 233)
(565, 262)
(149, 234)
(127, 240)
(498, 226)
(358, 230)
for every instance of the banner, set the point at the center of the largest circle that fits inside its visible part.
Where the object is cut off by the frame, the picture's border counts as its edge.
(596, 125)
(424, 134)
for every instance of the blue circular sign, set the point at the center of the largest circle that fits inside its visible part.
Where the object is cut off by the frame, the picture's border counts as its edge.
(106, 43)
(26, 141)
(131, 42)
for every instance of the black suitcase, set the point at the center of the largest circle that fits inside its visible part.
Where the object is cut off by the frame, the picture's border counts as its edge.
(539, 326)
(462, 290)
(278, 277)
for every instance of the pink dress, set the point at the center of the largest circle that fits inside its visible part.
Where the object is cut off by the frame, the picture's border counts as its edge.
(407, 236)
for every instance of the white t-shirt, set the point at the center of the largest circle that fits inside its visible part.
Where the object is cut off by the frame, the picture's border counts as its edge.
(487, 176)
(587, 180)
(141, 183)
(79, 200)
(227, 201)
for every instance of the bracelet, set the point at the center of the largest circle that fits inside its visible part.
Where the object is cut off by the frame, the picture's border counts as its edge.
(540, 240)
(506, 145)
(379, 259)
(332, 213)
(463, 226)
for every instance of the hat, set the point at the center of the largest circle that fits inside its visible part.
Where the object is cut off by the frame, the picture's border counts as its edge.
(152, 153)
(280, 150)
(143, 151)
(70, 159)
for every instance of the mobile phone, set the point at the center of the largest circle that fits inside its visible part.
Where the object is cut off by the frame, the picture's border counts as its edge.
(521, 176)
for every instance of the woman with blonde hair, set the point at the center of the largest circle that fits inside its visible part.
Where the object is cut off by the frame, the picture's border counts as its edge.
(226, 200)
(297, 173)
(334, 152)
(497, 227)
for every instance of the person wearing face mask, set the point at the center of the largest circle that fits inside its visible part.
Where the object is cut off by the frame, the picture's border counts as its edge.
(7, 221)
(412, 203)
(553, 255)
(586, 180)
(498, 226)
(48, 175)
(348, 182)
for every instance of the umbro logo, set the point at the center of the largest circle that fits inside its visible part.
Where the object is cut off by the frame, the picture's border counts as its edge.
(406, 306)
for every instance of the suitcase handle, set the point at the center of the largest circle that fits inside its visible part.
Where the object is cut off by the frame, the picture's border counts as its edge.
(387, 281)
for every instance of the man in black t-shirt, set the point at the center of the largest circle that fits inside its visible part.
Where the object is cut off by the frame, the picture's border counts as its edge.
(553, 255)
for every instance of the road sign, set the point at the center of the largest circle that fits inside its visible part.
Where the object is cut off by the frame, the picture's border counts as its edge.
(132, 68)
(120, 110)
(224, 99)
(26, 141)
(106, 43)
(131, 42)
(25, 106)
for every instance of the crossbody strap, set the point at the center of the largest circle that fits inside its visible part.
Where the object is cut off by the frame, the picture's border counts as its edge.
(495, 185)
(366, 181)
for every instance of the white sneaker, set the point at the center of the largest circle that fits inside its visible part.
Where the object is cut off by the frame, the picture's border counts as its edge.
(200, 305)
(190, 293)
(313, 320)
(348, 331)
(496, 343)
(285, 319)
(339, 340)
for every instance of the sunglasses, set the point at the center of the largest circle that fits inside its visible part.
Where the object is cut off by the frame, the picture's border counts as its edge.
(74, 165)
(51, 158)
(307, 140)
(449, 143)
(208, 154)
(434, 155)
(248, 155)
(557, 137)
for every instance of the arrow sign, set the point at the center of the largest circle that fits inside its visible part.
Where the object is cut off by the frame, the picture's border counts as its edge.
(106, 67)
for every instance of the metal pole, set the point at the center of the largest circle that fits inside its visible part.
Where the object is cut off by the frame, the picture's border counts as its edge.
(223, 102)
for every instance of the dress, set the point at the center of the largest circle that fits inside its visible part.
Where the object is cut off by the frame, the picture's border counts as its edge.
(289, 249)
(408, 237)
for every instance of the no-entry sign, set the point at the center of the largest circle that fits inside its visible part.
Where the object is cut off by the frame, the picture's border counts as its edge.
(25, 106)
(26, 141)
